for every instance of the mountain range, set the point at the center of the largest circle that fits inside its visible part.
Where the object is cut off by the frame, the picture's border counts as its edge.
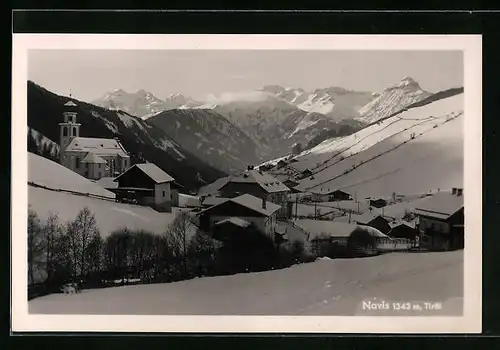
(273, 119)
(227, 132)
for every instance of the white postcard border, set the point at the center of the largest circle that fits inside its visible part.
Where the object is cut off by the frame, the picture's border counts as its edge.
(470, 322)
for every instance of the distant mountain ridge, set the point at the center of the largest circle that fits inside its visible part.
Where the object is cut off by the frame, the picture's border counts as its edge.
(273, 118)
(209, 136)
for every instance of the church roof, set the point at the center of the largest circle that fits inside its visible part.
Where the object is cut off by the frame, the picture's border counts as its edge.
(100, 147)
(93, 158)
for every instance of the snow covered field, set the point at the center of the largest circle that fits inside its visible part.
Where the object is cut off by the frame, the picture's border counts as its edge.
(109, 215)
(45, 172)
(325, 287)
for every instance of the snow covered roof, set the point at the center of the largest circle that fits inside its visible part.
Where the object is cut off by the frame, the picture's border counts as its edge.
(235, 221)
(152, 171)
(250, 202)
(70, 104)
(441, 205)
(214, 187)
(101, 147)
(93, 158)
(214, 200)
(367, 217)
(107, 182)
(254, 203)
(317, 228)
(268, 182)
(411, 224)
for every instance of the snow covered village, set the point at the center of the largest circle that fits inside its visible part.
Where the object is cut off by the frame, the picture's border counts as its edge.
(271, 201)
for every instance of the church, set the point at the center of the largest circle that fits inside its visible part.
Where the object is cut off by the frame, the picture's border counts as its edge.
(92, 158)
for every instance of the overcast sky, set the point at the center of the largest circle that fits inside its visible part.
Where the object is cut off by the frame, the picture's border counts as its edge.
(88, 74)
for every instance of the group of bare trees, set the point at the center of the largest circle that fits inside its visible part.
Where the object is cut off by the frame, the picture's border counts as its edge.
(62, 252)
(75, 251)
(58, 251)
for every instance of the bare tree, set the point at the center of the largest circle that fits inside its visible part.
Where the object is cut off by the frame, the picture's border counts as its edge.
(81, 232)
(177, 237)
(52, 232)
(35, 243)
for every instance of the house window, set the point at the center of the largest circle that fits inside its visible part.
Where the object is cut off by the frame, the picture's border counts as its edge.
(99, 166)
(77, 162)
(164, 194)
(65, 131)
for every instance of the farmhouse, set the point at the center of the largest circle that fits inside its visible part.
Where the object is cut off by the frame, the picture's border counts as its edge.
(330, 196)
(403, 229)
(378, 203)
(305, 173)
(257, 211)
(261, 185)
(147, 184)
(92, 158)
(441, 221)
(376, 221)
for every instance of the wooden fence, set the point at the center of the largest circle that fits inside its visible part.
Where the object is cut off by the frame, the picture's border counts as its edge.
(85, 194)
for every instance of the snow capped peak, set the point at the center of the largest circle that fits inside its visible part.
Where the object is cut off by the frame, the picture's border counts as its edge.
(392, 100)
(406, 83)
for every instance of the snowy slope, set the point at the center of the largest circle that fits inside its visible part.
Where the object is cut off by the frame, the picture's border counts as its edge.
(109, 215)
(383, 158)
(392, 100)
(326, 287)
(44, 172)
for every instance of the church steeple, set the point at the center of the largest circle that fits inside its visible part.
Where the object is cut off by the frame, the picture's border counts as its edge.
(69, 128)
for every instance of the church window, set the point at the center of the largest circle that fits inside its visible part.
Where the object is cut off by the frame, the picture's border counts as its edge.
(74, 131)
(65, 131)
(77, 162)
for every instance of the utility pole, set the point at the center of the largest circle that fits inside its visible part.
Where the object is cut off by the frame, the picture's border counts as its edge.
(315, 204)
(296, 206)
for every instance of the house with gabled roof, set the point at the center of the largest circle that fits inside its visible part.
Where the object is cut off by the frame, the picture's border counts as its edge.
(261, 185)
(147, 184)
(441, 221)
(90, 157)
(257, 211)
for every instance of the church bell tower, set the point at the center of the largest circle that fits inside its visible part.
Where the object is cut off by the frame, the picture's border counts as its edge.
(69, 128)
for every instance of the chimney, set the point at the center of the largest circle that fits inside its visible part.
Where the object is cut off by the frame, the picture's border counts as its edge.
(264, 203)
(459, 191)
(454, 190)
(250, 167)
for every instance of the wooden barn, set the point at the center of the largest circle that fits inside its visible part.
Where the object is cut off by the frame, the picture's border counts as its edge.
(147, 184)
(441, 221)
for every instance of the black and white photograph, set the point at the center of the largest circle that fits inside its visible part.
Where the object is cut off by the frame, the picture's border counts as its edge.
(247, 176)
